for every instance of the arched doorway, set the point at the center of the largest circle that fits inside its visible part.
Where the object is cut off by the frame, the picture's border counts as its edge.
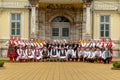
(60, 28)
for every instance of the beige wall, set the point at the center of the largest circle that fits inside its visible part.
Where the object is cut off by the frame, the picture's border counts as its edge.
(13, 6)
(114, 24)
(5, 27)
(107, 7)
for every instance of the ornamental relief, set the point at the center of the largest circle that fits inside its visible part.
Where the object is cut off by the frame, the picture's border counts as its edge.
(60, 6)
(54, 13)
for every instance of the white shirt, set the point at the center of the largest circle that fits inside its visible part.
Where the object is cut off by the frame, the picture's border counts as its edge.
(93, 54)
(86, 53)
(98, 53)
(32, 53)
(70, 51)
(19, 52)
(81, 53)
(89, 54)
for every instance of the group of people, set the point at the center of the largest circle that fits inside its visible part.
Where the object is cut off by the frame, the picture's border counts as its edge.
(60, 50)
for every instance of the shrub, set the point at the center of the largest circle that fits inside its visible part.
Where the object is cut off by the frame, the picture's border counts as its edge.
(116, 64)
(1, 63)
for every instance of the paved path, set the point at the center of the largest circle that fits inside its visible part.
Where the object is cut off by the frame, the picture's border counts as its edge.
(58, 71)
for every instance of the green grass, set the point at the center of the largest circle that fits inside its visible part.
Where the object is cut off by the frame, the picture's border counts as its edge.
(115, 61)
(1, 63)
(116, 65)
(4, 60)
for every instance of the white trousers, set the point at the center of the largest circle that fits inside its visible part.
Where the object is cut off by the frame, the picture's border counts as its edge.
(30, 57)
(62, 57)
(39, 57)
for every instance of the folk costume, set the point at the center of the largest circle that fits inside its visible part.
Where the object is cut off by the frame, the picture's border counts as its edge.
(62, 54)
(54, 54)
(12, 54)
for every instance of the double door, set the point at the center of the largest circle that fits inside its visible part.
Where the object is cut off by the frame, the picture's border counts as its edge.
(60, 30)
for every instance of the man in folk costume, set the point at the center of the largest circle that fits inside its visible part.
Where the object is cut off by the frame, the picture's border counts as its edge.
(26, 42)
(103, 42)
(75, 45)
(45, 54)
(98, 44)
(29, 53)
(59, 46)
(20, 53)
(83, 43)
(76, 54)
(87, 52)
(54, 53)
(98, 54)
(12, 54)
(44, 43)
(106, 56)
(89, 55)
(38, 54)
(48, 44)
(66, 45)
(80, 43)
(34, 43)
(31, 43)
(17, 40)
(81, 52)
(110, 46)
(62, 54)
(92, 55)
(93, 44)
(88, 44)
(70, 53)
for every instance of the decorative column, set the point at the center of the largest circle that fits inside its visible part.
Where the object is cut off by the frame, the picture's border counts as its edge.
(37, 29)
(88, 20)
(33, 22)
(88, 29)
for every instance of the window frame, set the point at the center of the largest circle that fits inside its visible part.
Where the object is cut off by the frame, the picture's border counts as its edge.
(64, 31)
(16, 21)
(54, 33)
(105, 23)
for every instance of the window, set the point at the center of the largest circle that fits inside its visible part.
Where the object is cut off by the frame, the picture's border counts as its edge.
(15, 24)
(55, 31)
(60, 19)
(104, 26)
(65, 32)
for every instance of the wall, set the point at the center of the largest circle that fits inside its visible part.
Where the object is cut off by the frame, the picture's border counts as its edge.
(13, 6)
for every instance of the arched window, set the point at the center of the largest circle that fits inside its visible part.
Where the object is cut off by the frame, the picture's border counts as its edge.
(60, 19)
(60, 27)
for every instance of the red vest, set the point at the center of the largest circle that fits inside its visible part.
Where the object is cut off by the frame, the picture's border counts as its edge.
(37, 52)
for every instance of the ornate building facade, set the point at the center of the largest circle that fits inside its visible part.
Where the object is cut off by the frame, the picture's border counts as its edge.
(64, 19)
(60, 19)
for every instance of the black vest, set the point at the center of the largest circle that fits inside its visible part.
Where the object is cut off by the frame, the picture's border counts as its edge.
(45, 53)
(54, 52)
(62, 54)
(76, 53)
